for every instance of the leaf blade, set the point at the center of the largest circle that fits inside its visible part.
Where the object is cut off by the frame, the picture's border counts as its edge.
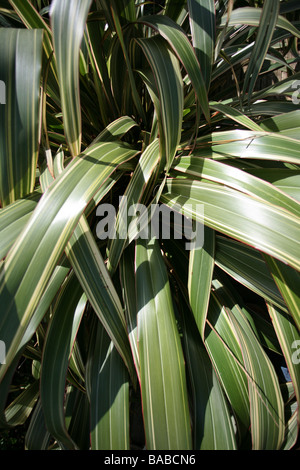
(20, 71)
(68, 27)
(163, 385)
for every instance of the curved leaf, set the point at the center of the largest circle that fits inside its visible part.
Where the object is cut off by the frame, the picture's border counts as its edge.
(201, 265)
(181, 46)
(108, 391)
(212, 425)
(57, 351)
(251, 16)
(163, 384)
(29, 265)
(202, 16)
(68, 22)
(267, 24)
(20, 71)
(139, 182)
(167, 73)
(241, 217)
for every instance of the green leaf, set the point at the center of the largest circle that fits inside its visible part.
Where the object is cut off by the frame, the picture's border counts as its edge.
(78, 411)
(247, 266)
(289, 339)
(291, 433)
(224, 350)
(90, 269)
(116, 130)
(203, 29)
(251, 16)
(235, 115)
(287, 181)
(286, 123)
(44, 238)
(163, 383)
(212, 423)
(124, 9)
(255, 313)
(266, 403)
(13, 218)
(267, 24)
(127, 279)
(108, 392)
(18, 411)
(173, 9)
(248, 145)
(167, 73)
(53, 287)
(235, 214)
(237, 179)
(201, 265)
(37, 437)
(60, 338)
(287, 281)
(134, 92)
(33, 20)
(181, 46)
(68, 22)
(20, 71)
(132, 198)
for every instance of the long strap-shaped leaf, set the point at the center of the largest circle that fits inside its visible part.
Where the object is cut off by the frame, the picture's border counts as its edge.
(124, 9)
(19, 410)
(170, 88)
(265, 32)
(241, 217)
(135, 95)
(289, 339)
(29, 265)
(236, 179)
(90, 269)
(201, 265)
(212, 425)
(174, 10)
(235, 115)
(224, 350)
(266, 403)
(246, 265)
(86, 261)
(182, 47)
(127, 279)
(68, 22)
(288, 283)
(37, 437)
(56, 354)
(108, 391)
(20, 70)
(132, 196)
(163, 382)
(115, 130)
(13, 219)
(33, 20)
(251, 16)
(203, 29)
(249, 144)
